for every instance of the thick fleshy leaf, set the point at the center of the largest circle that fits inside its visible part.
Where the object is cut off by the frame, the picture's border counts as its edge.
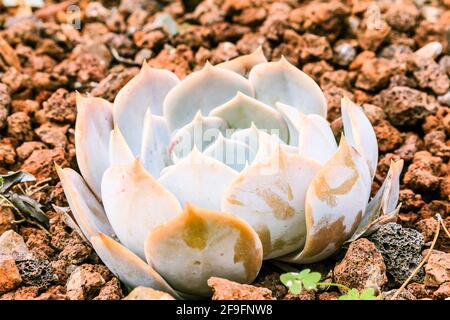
(271, 198)
(359, 133)
(242, 110)
(119, 152)
(86, 209)
(156, 138)
(135, 203)
(282, 82)
(249, 136)
(335, 204)
(128, 267)
(201, 132)
(384, 202)
(199, 244)
(147, 89)
(198, 179)
(292, 117)
(92, 129)
(233, 153)
(390, 188)
(316, 139)
(245, 63)
(202, 90)
(267, 145)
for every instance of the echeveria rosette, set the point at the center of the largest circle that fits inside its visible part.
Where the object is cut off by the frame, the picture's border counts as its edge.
(174, 199)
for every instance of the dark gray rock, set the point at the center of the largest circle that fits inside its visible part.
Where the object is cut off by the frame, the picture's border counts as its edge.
(37, 273)
(401, 249)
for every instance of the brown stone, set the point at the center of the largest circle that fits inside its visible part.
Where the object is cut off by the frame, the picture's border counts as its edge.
(53, 135)
(7, 153)
(41, 163)
(6, 219)
(437, 269)
(22, 293)
(228, 290)
(316, 69)
(389, 138)
(412, 143)
(143, 293)
(435, 207)
(444, 188)
(419, 290)
(370, 38)
(403, 16)
(361, 59)
(362, 267)
(303, 295)
(113, 82)
(150, 40)
(429, 74)
(84, 284)
(329, 296)
(5, 101)
(60, 107)
(19, 127)
(323, 18)
(75, 251)
(427, 228)
(111, 291)
(13, 246)
(225, 51)
(375, 74)
(338, 78)
(423, 173)
(178, 61)
(9, 275)
(54, 293)
(443, 292)
(224, 31)
(436, 143)
(26, 149)
(410, 200)
(252, 17)
(406, 106)
(38, 242)
(84, 67)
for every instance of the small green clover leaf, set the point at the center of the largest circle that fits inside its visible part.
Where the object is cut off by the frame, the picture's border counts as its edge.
(296, 287)
(305, 279)
(368, 294)
(354, 294)
(296, 281)
(291, 281)
(311, 280)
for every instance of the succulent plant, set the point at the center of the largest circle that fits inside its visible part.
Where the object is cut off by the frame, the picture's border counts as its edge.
(210, 175)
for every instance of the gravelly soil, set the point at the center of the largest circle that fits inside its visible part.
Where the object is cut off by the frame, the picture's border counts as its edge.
(44, 60)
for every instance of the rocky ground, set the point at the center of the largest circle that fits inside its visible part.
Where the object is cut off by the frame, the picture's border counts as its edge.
(44, 59)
